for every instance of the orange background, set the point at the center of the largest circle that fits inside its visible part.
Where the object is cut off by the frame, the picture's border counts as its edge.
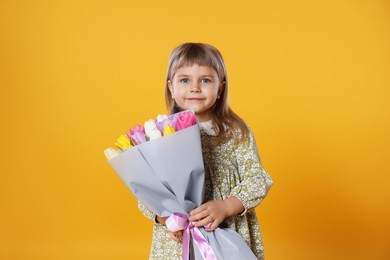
(310, 77)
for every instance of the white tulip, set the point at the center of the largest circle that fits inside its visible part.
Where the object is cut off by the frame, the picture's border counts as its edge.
(161, 118)
(111, 153)
(154, 134)
(150, 126)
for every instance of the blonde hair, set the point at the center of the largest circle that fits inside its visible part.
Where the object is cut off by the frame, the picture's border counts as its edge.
(202, 54)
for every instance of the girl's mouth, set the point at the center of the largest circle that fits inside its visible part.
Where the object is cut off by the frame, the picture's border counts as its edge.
(195, 99)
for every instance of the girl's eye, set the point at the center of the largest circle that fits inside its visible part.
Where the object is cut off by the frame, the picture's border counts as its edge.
(206, 81)
(184, 80)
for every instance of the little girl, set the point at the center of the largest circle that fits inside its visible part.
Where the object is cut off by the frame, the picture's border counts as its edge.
(235, 181)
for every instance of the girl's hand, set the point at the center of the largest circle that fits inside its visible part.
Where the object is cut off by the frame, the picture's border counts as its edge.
(161, 220)
(214, 211)
(177, 236)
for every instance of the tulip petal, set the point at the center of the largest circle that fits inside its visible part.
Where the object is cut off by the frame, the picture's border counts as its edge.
(111, 153)
(155, 134)
(184, 120)
(137, 128)
(138, 138)
(150, 126)
(168, 130)
(161, 118)
(123, 142)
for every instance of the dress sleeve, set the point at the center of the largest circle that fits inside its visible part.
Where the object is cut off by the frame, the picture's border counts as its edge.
(147, 212)
(254, 180)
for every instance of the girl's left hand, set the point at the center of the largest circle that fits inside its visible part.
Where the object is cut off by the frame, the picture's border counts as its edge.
(214, 211)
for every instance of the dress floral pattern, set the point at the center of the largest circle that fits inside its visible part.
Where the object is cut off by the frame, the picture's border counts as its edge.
(231, 170)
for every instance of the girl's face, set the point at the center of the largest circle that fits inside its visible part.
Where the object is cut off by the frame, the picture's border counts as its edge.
(196, 88)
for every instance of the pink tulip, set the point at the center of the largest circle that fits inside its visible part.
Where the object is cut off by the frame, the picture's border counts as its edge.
(137, 138)
(137, 135)
(137, 128)
(184, 120)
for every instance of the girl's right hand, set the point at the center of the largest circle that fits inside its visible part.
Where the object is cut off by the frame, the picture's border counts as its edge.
(161, 220)
(176, 236)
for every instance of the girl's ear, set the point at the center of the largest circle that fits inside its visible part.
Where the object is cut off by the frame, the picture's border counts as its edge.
(221, 87)
(170, 88)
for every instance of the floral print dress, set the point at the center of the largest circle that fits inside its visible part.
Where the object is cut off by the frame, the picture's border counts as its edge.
(231, 170)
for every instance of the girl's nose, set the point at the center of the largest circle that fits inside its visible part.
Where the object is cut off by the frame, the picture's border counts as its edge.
(195, 87)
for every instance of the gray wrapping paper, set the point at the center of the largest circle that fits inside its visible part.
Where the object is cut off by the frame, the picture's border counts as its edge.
(167, 176)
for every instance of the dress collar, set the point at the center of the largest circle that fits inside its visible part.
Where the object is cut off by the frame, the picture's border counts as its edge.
(207, 127)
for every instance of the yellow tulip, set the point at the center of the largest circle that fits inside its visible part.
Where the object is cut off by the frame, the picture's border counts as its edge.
(168, 130)
(123, 142)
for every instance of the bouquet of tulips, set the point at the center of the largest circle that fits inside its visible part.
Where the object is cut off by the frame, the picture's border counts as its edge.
(162, 164)
(152, 130)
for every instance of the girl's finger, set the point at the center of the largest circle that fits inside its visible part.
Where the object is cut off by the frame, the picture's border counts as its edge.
(199, 216)
(197, 210)
(178, 233)
(204, 221)
(174, 237)
(213, 226)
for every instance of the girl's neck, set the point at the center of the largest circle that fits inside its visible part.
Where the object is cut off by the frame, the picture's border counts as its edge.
(203, 117)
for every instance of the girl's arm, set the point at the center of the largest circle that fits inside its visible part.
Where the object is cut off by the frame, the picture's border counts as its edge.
(176, 236)
(255, 181)
(253, 187)
(148, 213)
(151, 215)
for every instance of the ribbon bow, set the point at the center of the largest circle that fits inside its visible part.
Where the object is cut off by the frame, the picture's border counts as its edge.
(178, 222)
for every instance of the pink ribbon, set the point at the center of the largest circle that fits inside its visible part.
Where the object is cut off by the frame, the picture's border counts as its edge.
(178, 222)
